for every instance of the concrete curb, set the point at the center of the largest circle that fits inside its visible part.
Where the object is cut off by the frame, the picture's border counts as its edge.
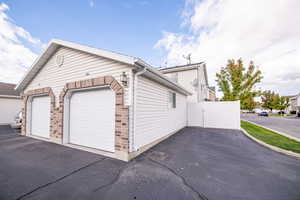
(284, 134)
(277, 149)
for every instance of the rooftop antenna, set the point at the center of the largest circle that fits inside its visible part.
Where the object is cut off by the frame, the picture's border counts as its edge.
(166, 64)
(188, 58)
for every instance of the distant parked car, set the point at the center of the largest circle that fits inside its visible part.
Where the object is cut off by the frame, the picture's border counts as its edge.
(281, 112)
(265, 114)
(293, 112)
(258, 110)
(298, 114)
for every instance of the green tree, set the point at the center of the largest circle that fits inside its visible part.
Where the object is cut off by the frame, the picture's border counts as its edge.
(271, 101)
(268, 99)
(249, 104)
(281, 103)
(236, 82)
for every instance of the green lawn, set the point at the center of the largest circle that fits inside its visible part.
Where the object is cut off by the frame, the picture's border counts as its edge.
(276, 115)
(291, 115)
(279, 115)
(271, 137)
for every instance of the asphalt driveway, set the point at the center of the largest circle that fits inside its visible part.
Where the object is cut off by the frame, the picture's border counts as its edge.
(288, 125)
(195, 163)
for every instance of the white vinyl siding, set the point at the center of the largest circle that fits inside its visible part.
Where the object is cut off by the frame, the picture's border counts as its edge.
(203, 89)
(76, 65)
(154, 118)
(187, 79)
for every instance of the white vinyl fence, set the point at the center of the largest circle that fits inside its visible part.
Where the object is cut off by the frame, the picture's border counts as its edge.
(214, 114)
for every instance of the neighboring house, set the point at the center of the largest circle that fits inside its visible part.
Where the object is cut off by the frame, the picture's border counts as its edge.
(294, 102)
(192, 77)
(100, 101)
(298, 102)
(10, 103)
(212, 94)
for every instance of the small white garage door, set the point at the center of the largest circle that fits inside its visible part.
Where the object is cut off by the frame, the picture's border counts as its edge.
(92, 119)
(40, 116)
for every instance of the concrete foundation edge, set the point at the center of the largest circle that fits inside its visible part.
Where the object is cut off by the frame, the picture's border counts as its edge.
(120, 155)
(150, 145)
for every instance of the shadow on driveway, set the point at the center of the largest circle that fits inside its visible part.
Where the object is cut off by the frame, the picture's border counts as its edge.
(195, 163)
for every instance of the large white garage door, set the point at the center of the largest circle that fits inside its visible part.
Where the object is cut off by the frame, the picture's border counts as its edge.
(40, 116)
(92, 119)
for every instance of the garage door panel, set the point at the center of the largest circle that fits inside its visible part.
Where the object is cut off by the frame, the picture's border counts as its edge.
(40, 116)
(92, 119)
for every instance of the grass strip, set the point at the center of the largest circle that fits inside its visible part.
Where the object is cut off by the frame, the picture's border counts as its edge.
(271, 137)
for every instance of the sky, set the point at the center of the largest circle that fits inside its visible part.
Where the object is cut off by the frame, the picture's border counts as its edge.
(161, 32)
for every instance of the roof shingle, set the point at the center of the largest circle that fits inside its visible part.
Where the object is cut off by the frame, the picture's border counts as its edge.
(8, 89)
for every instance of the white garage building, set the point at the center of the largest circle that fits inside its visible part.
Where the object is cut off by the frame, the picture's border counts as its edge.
(99, 101)
(10, 103)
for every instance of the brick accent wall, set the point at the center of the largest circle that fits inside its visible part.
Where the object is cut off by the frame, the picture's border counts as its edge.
(122, 115)
(42, 91)
(56, 128)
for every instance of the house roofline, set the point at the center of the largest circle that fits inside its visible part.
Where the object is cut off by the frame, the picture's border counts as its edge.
(180, 67)
(54, 44)
(186, 67)
(163, 78)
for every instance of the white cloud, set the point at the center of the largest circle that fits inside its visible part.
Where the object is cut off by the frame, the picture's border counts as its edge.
(266, 32)
(144, 3)
(92, 3)
(15, 57)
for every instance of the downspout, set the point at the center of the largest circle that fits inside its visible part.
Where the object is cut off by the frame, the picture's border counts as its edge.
(198, 83)
(135, 86)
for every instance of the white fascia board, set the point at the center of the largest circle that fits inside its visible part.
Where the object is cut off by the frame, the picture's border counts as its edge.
(35, 67)
(95, 51)
(10, 97)
(54, 44)
(178, 69)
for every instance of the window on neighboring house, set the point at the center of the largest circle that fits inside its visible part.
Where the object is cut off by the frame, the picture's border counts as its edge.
(172, 100)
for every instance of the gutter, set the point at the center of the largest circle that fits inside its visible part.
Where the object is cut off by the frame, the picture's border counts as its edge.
(10, 96)
(135, 86)
(205, 72)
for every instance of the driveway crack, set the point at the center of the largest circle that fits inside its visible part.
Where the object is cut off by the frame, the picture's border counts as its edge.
(201, 196)
(59, 179)
(117, 177)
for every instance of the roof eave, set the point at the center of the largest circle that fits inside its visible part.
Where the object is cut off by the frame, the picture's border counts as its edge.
(56, 43)
(10, 96)
(163, 78)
